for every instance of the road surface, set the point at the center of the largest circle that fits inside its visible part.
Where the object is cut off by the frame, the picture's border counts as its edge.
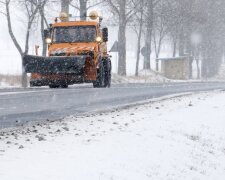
(20, 106)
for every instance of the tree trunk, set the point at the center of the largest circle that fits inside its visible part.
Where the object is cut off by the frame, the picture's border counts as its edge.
(139, 47)
(147, 57)
(204, 70)
(181, 42)
(174, 47)
(65, 6)
(122, 48)
(83, 10)
(148, 38)
(198, 67)
(122, 39)
(18, 47)
(189, 47)
(157, 54)
(190, 67)
(24, 75)
(139, 40)
(138, 54)
(44, 44)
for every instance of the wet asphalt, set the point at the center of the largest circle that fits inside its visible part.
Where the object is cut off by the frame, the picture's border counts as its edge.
(23, 106)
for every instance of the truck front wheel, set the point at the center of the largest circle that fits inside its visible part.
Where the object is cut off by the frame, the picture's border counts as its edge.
(100, 81)
(64, 86)
(108, 76)
(53, 86)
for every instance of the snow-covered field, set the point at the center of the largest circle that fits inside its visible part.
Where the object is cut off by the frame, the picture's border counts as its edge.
(4, 85)
(145, 76)
(178, 138)
(9, 81)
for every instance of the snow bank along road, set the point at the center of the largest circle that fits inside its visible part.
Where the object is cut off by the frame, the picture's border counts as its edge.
(19, 106)
(176, 139)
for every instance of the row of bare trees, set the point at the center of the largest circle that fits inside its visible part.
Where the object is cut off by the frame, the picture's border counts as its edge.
(34, 11)
(194, 27)
(30, 8)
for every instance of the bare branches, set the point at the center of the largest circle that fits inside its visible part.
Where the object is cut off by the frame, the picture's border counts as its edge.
(3, 2)
(114, 7)
(96, 4)
(32, 7)
(124, 10)
(90, 5)
(8, 15)
(76, 6)
(3, 5)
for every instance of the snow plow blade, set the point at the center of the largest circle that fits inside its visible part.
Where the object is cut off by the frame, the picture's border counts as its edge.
(54, 64)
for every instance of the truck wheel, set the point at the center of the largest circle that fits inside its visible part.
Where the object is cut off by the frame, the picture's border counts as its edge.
(64, 86)
(108, 77)
(100, 81)
(53, 86)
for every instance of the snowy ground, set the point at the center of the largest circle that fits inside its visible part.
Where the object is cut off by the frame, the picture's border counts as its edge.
(4, 84)
(9, 81)
(179, 138)
(145, 76)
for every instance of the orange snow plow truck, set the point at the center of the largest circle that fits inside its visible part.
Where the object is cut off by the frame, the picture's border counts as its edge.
(77, 53)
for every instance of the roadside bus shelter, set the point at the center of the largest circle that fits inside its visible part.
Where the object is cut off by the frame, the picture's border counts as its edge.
(176, 67)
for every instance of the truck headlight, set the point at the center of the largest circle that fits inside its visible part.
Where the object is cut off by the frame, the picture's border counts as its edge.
(98, 39)
(48, 40)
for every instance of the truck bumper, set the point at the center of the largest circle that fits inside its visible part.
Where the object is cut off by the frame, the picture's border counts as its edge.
(51, 80)
(54, 64)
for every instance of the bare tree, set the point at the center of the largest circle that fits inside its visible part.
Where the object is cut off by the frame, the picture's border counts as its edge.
(31, 9)
(43, 25)
(124, 10)
(138, 28)
(213, 32)
(163, 23)
(148, 37)
(149, 19)
(207, 19)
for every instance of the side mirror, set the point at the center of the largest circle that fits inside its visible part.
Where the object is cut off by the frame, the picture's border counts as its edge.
(105, 34)
(47, 33)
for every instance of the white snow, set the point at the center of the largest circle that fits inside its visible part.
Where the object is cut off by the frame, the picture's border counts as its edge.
(149, 76)
(145, 76)
(9, 81)
(178, 138)
(4, 84)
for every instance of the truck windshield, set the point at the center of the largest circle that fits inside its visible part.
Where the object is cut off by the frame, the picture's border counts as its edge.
(74, 34)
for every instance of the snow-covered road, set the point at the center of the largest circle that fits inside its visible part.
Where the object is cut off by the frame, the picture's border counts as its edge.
(179, 138)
